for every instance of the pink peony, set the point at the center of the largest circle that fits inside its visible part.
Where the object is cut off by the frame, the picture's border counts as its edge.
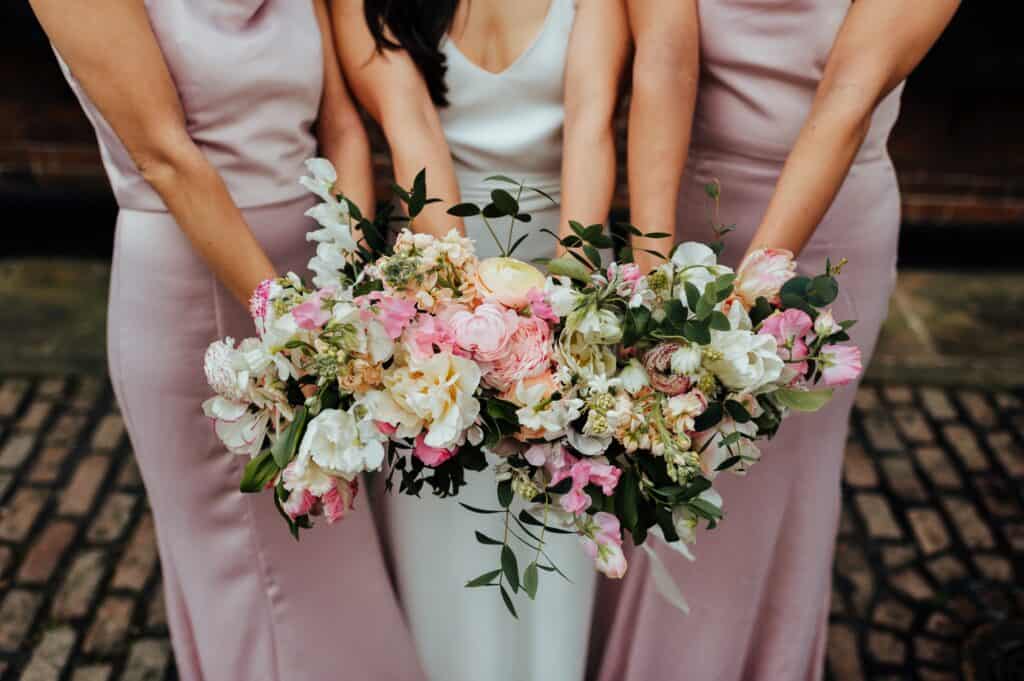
(762, 274)
(540, 307)
(841, 364)
(431, 456)
(485, 332)
(339, 499)
(311, 314)
(527, 354)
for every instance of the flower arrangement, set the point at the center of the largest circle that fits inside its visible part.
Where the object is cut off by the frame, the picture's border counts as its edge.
(606, 401)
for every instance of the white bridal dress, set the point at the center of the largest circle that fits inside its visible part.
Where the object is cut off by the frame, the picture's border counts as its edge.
(509, 123)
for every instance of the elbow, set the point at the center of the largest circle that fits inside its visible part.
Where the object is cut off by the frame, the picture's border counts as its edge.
(165, 162)
(851, 91)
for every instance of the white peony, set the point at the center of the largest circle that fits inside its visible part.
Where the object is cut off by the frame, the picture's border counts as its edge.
(342, 444)
(438, 391)
(227, 370)
(745, 361)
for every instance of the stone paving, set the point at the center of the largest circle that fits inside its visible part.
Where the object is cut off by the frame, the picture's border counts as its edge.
(928, 568)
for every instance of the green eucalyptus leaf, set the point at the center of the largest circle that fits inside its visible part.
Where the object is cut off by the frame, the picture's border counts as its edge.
(593, 255)
(710, 418)
(259, 472)
(737, 411)
(486, 579)
(531, 579)
(566, 266)
(692, 295)
(505, 493)
(803, 400)
(485, 540)
(505, 202)
(510, 566)
(508, 602)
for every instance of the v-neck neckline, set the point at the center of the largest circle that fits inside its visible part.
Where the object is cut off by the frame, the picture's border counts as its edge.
(541, 32)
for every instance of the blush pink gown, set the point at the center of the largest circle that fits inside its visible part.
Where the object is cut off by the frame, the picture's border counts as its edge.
(760, 586)
(245, 601)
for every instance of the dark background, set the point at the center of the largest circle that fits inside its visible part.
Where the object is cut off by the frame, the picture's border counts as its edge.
(959, 147)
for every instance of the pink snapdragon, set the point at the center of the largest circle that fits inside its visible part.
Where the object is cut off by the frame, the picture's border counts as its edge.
(311, 315)
(841, 364)
(431, 456)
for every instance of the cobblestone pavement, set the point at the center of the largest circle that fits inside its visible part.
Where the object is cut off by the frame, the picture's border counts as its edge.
(928, 569)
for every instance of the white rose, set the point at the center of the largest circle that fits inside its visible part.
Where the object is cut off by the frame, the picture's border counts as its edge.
(748, 361)
(686, 360)
(343, 445)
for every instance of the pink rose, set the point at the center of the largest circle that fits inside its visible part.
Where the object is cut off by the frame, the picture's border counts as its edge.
(841, 364)
(485, 332)
(431, 456)
(528, 353)
(507, 280)
(339, 500)
(762, 274)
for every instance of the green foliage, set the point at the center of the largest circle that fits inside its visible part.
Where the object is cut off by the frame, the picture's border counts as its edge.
(259, 472)
(284, 449)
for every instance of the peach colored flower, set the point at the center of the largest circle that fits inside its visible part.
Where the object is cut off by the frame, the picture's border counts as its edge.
(509, 281)
(484, 332)
(762, 274)
(528, 354)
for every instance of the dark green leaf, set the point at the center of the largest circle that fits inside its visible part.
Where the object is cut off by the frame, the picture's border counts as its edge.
(712, 190)
(626, 502)
(528, 519)
(692, 295)
(510, 566)
(502, 178)
(697, 332)
(711, 417)
(288, 442)
(719, 322)
(505, 202)
(491, 211)
(737, 411)
(822, 291)
(593, 255)
(259, 472)
(505, 493)
(729, 463)
(487, 541)
(481, 511)
(464, 210)
(508, 602)
(486, 579)
(518, 241)
(530, 580)
(657, 235)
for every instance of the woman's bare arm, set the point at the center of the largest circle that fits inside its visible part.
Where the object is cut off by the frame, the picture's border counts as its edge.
(392, 90)
(110, 48)
(343, 138)
(666, 70)
(598, 53)
(879, 44)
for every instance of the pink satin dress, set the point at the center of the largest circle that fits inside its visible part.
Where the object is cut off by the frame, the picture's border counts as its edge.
(245, 601)
(760, 587)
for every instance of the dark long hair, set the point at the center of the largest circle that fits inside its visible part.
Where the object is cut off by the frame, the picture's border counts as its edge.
(416, 26)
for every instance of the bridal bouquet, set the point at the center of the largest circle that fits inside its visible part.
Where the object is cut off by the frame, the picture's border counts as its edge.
(606, 401)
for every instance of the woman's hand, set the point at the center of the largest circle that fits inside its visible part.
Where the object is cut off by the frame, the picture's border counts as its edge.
(879, 44)
(391, 89)
(110, 48)
(666, 71)
(598, 53)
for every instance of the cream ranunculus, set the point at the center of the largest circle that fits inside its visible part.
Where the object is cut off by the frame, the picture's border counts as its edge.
(342, 444)
(508, 280)
(744, 361)
(438, 391)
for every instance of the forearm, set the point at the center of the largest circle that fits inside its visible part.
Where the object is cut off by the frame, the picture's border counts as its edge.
(419, 144)
(198, 199)
(588, 171)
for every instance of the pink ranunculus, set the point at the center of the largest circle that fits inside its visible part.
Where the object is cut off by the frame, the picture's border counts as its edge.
(528, 353)
(311, 314)
(429, 334)
(300, 502)
(339, 499)
(841, 364)
(485, 332)
(762, 274)
(658, 362)
(431, 456)
(540, 307)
